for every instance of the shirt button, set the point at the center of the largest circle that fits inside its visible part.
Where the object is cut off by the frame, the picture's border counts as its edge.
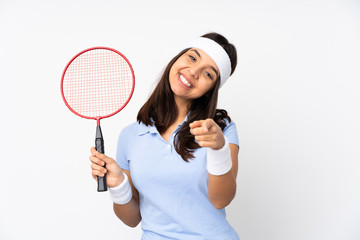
(168, 146)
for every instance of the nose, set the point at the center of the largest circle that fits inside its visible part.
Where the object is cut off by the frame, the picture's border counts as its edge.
(194, 72)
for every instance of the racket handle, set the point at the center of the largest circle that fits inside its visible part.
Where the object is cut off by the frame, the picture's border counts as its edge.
(99, 146)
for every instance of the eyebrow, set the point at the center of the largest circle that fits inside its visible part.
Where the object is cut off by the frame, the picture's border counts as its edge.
(197, 53)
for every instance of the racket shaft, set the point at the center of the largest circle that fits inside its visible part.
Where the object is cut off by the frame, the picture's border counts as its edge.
(99, 145)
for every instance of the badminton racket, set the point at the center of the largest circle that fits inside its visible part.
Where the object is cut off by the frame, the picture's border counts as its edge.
(97, 83)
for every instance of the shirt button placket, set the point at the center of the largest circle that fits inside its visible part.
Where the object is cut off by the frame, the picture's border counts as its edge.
(168, 146)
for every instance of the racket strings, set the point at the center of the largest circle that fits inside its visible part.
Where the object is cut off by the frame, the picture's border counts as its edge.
(98, 83)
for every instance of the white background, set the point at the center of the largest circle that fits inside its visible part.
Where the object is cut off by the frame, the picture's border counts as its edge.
(294, 97)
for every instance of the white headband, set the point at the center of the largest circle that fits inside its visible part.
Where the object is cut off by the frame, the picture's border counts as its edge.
(217, 53)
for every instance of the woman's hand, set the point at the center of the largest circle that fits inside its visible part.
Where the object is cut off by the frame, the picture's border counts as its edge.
(102, 164)
(207, 133)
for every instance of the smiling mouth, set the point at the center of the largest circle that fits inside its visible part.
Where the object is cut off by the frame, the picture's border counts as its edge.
(184, 81)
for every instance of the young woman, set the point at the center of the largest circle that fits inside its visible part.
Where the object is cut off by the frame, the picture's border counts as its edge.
(176, 167)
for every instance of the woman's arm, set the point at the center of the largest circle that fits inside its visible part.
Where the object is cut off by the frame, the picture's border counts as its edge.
(222, 187)
(128, 213)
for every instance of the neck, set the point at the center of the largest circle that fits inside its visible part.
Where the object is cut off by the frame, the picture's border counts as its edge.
(182, 106)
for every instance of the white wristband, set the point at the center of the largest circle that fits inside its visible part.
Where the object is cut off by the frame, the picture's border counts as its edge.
(121, 194)
(219, 161)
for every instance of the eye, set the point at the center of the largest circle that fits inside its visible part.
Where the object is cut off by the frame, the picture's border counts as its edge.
(192, 58)
(209, 75)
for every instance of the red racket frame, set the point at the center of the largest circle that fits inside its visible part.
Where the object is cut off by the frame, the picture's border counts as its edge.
(98, 118)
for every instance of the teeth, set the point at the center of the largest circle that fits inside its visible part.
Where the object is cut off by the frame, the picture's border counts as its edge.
(184, 81)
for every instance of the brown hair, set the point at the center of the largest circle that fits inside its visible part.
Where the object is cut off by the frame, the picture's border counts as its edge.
(160, 109)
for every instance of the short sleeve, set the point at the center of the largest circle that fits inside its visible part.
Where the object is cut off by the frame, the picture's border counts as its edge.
(121, 153)
(231, 133)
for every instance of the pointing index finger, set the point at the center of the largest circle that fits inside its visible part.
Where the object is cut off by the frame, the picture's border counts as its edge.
(196, 124)
(207, 124)
(201, 127)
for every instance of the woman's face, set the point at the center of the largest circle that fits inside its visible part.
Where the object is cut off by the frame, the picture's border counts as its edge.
(193, 74)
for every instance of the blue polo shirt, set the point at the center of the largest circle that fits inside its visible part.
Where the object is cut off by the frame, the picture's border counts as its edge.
(174, 201)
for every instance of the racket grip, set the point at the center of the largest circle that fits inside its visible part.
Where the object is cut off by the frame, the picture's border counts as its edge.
(99, 146)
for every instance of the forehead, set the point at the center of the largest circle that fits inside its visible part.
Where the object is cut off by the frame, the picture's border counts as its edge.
(205, 58)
